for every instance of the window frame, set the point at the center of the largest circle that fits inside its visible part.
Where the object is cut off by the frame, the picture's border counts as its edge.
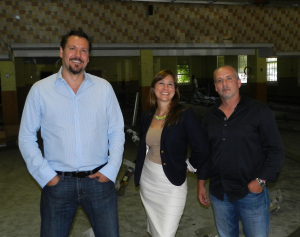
(186, 74)
(269, 63)
(241, 68)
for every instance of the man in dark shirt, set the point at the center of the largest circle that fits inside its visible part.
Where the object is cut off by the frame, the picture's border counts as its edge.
(246, 152)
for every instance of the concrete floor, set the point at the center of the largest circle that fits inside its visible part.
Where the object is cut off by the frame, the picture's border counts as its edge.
(20, 194)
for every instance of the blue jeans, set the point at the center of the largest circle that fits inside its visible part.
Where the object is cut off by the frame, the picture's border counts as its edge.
(59, 204)
(252, 209)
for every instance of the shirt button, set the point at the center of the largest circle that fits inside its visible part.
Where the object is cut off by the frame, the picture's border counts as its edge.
(162, 152)
(223, 139)
(225, 125)
(164, 163)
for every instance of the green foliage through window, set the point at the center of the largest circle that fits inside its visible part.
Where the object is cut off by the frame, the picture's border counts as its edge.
(183, 72)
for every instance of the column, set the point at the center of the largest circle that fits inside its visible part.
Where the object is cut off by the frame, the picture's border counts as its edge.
(9, 93)
(146, 76)
(257, 79)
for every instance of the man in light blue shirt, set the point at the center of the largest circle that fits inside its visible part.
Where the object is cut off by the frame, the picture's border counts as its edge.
(83, 133)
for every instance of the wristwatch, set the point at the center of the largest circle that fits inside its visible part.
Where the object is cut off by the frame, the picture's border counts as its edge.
(261, 182)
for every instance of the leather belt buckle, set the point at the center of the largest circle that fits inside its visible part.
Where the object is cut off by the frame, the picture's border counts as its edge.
(81, 174)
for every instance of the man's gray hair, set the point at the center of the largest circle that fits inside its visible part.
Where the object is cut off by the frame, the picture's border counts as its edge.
(235, 71)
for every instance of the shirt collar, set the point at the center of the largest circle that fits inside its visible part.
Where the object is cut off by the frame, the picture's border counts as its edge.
(60, 78)
(244, 101)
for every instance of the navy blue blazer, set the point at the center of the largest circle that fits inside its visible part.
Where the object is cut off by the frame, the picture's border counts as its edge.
(174, 145)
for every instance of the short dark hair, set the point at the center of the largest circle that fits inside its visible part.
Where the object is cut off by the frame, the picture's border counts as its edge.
(80, 33)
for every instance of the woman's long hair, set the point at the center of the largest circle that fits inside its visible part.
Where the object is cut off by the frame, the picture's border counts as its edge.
(174, 107)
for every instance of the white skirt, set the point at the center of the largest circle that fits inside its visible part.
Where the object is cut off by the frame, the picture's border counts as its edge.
(163, 201)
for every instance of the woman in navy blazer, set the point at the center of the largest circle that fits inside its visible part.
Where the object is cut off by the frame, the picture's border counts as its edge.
(161, 165)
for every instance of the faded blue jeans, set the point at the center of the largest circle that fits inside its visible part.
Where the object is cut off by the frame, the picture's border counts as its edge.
(252, 209)
(59, 204)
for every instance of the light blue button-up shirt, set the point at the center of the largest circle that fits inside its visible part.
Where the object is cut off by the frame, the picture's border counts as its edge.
(80, 131)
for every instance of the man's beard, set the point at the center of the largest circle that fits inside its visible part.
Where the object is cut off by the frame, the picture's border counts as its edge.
(74, 71)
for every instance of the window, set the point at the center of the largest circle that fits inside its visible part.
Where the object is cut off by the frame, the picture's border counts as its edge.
(242, 64)
(183, 73)
(271, 69)
(220, 61)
